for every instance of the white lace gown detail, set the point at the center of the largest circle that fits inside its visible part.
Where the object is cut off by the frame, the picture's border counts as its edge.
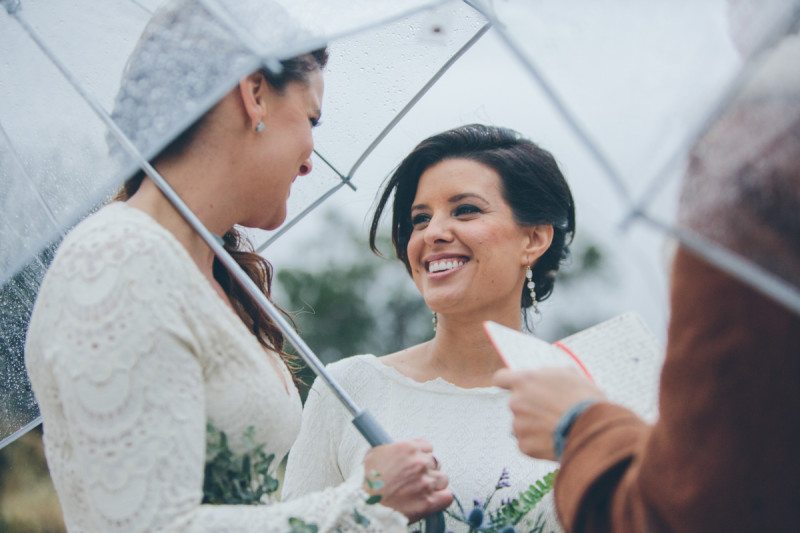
(470, 430)
(131, 353)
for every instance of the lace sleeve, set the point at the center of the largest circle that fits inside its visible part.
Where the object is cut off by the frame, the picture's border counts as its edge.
(115, 358)
(313, 462)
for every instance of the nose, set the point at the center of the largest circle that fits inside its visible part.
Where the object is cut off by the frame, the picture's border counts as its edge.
(437, 231)
(306, 167)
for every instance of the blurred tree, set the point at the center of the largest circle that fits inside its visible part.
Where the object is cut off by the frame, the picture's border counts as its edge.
(28, 502)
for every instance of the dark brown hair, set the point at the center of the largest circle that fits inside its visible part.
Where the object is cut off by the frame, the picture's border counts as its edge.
(295, 69)
(531, 183)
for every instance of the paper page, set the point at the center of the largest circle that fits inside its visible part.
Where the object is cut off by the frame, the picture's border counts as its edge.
(620, 355)
(520, 351)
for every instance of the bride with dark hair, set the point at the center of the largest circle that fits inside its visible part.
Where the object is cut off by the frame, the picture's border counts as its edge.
(482, 219)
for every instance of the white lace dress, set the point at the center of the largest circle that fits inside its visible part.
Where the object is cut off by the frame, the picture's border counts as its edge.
(131, 353)
(470, 430)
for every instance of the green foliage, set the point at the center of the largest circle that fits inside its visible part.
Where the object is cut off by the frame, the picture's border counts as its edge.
(512, 512)
(299, 526)
(360, 519)
(374, 484)
(236, 478)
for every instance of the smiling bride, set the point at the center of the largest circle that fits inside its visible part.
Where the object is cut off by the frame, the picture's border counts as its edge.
(482, 219)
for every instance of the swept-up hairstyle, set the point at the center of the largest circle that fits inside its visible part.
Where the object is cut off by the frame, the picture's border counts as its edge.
(531, 184)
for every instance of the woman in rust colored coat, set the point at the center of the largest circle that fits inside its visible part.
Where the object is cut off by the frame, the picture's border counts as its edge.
(723, 456)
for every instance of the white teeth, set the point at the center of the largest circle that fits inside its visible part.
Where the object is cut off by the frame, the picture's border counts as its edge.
(441, 266)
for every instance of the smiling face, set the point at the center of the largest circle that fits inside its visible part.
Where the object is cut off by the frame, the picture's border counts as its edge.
(282, 152)
(466, 251)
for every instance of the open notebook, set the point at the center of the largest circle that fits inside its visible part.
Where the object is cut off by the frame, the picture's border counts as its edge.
(620, 355)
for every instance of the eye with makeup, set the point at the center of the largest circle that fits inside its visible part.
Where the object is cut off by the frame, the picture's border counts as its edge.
(420, 220)
(465, 210)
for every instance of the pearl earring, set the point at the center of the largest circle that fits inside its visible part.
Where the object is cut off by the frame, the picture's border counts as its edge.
(260, 126)
(531, 286)
(435, 321)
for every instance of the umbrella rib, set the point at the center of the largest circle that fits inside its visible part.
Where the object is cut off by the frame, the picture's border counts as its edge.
(344, 178)
(362, 419)
(141, 6)
(551, 94)
(417, 97)
(28, 179)
(20, 432)
(286, 227)
(744, 270)
(344, 181)
(347, 179)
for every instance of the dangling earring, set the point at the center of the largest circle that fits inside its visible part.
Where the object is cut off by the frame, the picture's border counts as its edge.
(260, 127)
(435, 321)
(532, 288)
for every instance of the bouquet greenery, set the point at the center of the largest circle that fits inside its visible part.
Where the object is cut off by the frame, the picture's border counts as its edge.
(246, 479)
(230, 478)
(511, 510)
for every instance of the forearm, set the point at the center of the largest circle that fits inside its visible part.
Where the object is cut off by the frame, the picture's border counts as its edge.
(601, 449)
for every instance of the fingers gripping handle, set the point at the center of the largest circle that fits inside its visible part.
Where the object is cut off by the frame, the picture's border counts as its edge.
(376, 436)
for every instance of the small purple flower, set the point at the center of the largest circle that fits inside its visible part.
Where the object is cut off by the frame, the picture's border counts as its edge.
(503, 482)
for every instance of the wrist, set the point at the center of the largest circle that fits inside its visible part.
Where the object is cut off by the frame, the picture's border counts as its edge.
(565, 423)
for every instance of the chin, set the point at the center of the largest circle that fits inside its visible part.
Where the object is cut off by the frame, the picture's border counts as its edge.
(442, 303)
(275, 223)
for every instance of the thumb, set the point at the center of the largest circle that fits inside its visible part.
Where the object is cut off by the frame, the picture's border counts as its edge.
(503, 378)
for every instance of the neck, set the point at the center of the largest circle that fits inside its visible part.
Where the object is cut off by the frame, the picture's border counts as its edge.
(461, 351)
(150, 200)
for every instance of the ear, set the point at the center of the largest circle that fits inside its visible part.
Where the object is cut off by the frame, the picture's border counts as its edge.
(537, 241)
(255, 92)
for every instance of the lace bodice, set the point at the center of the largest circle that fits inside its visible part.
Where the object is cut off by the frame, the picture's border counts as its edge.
(131, 353)
(470, 430)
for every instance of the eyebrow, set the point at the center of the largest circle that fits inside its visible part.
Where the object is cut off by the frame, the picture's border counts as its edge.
(454, 199)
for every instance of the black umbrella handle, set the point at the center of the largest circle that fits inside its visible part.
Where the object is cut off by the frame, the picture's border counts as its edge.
(377, 436)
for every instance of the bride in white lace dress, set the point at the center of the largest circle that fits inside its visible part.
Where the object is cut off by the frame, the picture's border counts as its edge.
(141, 347)
(482, 219)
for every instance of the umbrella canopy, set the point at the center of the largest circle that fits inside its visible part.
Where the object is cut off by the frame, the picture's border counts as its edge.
(618, 92)
(86, 163)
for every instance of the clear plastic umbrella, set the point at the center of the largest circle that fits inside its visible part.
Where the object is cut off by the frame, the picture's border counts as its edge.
(78, 174)
(598, 84)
